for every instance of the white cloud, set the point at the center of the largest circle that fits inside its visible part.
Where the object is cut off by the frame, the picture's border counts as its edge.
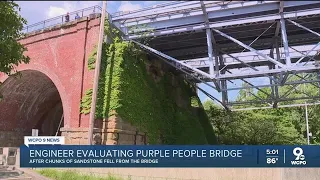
(128, 6)
(69, 6)
(55, 11)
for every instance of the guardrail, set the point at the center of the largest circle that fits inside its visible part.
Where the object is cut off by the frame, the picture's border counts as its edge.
(61, 19)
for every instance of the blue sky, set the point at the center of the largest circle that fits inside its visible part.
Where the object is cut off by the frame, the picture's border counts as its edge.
(36, 11)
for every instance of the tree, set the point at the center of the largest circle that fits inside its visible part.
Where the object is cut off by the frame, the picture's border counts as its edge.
(314, 123)
(11, 51)
(256, 127)
(287, 124)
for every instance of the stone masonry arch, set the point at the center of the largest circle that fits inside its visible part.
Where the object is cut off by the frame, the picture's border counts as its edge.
(55, 80)
(30, 101)
(58, 55)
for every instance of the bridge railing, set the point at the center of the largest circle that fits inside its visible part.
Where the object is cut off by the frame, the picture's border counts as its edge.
(120, 13)
(61, 19)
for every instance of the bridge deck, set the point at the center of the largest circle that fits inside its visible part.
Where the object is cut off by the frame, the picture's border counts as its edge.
(179, 30)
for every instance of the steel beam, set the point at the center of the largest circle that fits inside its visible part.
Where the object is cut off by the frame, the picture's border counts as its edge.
(216, 54)
(224, 84)
(292, 88)
(303, 78)
(310, 68)
(187, 73)
(210, 54)
(305, 55)
(318, 78)
(268, 85)
(307, 29)
(210, 49)
(303, 27)
(182, 52)
(250, 48)
(213, 98)
(224, 93)
(280, 100)
(173, 60)
(193, 16)
(275, 45)
(253, 86)
(274, 89)
(211, 64)
(281, 106)
(296, 85)
(257, 97)
(197, 27)
(285, 40)
(248, 58)
(185, 14)
(237, 59)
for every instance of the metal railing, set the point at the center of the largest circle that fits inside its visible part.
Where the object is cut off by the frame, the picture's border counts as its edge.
(120, 13)
(59, 20)
(173, 7)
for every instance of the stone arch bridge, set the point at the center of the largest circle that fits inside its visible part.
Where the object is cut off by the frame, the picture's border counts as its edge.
(46, 94)
(210, 41)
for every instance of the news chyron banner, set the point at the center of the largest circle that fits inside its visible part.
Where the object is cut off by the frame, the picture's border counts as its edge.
(58, 155)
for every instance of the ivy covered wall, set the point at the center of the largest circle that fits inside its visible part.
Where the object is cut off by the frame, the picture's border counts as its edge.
(144, 92)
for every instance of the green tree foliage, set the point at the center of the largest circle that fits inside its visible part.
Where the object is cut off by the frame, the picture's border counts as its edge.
(11, 51)
(258, 127)
(269, 126)
(314, 123)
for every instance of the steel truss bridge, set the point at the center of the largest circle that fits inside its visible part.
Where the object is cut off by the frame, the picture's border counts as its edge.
(224, 42)
(265, 45)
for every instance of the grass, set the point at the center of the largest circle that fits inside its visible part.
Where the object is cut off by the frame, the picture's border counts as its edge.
(72, 175)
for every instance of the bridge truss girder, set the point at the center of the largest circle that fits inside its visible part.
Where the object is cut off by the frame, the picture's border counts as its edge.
(274, 65)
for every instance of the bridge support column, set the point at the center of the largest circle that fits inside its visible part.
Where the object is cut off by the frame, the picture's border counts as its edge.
(213, 66)
(285, 40)
(115, 132)
(285, 46)
(120, 132)
(210, 52)
(223, 84)
(274, 89)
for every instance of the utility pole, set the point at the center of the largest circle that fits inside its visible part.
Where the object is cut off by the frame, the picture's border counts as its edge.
(307, 124)
(96, 74)
(306, 115)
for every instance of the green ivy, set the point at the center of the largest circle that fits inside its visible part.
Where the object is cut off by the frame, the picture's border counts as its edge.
(85, 104)
(126, 88)
(92, 59)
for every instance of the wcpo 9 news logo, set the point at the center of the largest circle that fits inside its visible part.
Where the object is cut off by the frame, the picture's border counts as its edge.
(300, 158)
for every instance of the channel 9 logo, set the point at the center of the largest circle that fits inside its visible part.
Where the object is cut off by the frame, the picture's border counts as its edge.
(300, 158)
